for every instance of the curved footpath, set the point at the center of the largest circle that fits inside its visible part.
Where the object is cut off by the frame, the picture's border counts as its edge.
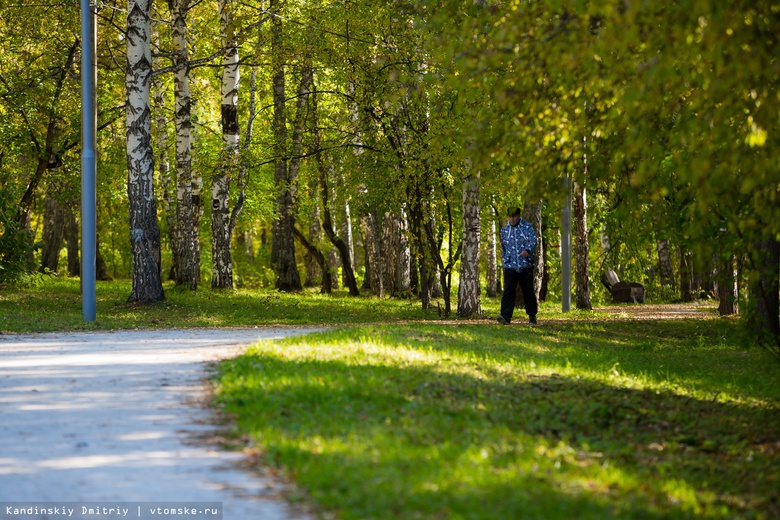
(112, 418)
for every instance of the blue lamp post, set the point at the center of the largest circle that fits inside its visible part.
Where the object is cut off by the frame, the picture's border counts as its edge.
(88, 182)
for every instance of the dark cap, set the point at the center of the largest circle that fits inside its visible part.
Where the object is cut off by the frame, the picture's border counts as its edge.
(512, 211)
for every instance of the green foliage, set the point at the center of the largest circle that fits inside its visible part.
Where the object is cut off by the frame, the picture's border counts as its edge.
(615, 419)
(16, 244)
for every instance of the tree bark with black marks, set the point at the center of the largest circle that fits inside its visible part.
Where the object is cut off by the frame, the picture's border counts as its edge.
(187, 250)
(581, 249)
(144, 231)
(222, 261)
(469, 302)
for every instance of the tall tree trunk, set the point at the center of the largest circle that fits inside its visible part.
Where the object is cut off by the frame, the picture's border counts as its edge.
(366, 255)
(167, 177)
(765, 291)
(222, 262)
(532, 212)
(144, 232)
(53, 232)
(187, 258)
(469, 303)
(327, 222)
(492, 256)
(403, 277)
(346, 236)
(327, 278)
(313, 271)
(283, 244)
(687, 288)
(373, 253)
(389, 251)
(244, 166)
(72, 238)
(101, 268)
(728, 294)
(665, 262)
(581, 249)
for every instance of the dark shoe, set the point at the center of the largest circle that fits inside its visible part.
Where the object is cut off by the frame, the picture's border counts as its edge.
(502, 320)
(532, 320)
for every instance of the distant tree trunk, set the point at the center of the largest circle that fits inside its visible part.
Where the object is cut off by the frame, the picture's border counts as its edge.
(244, 166)
(313, 271)
(144, 232)
(166, 176)
(349, 242)
(53, 232)
(419, 245)
(403, 264)
(444, 271)
(532, 213)
(765, 292)
(366, 258)
(327, 277)
(186, 254)
(327, 222)
(665, 262)
(687, 289)
(469, 303)
(333, 261)
(581, 249)
(283, 243)
(373, 250)
(492, 258)
(72, 238)
(101, 268)
(249, 241)
(728, 294)
(389, 251)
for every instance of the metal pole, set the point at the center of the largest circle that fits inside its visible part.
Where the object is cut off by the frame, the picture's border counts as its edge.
(566, 245)
(88, 184)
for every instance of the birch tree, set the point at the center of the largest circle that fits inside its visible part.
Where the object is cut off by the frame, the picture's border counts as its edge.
(581, 249)
(222, 263)
(469, 303)
(144, 232)
(187, 247)
(283, 244)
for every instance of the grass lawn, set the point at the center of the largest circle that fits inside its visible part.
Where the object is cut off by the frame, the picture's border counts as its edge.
(398, 415)
(571, 419)
(55, 305)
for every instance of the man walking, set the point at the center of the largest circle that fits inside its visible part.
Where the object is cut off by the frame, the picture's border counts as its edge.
(518, 241)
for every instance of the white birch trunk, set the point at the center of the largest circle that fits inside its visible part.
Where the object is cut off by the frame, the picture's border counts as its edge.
(533, 213)
(222, 262)
(187, 246)
(346, 235)
(144, 232)
(581, 249)
(403, 275)
(492, 258)
(469, 303)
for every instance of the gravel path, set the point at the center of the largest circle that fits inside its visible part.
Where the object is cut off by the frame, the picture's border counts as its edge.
(112, 417)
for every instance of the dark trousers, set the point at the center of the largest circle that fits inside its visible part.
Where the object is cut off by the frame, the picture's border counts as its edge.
(526, 280)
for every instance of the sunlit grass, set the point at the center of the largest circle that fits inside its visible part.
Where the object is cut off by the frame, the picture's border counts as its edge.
(565, 420)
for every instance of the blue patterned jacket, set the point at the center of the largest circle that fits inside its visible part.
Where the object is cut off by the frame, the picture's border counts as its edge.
(514, 240)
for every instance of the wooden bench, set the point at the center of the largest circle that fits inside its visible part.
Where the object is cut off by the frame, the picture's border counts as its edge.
(622, 292)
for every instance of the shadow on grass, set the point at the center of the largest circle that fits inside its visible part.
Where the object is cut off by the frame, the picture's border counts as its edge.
(376, 441)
